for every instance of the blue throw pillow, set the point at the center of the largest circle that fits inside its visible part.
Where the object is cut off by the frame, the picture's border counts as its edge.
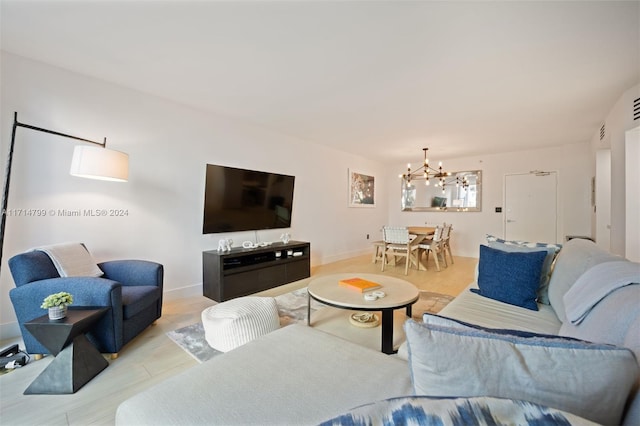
(552, 251)
(510, 277)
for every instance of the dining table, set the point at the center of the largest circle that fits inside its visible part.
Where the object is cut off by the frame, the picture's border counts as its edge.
(422, 232)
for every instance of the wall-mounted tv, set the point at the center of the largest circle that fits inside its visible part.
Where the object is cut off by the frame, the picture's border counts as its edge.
(246, 200)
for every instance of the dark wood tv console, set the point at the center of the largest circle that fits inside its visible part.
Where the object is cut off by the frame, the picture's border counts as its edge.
(241, 271)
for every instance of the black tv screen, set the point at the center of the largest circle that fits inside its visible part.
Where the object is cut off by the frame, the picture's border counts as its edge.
(246, 200)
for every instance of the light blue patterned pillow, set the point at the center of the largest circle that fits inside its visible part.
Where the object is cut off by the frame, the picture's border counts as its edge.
(552, 251)
(424, 410)
(491, 238)
(588, 379)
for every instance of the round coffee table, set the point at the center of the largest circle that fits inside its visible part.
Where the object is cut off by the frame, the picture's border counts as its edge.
(399, 294)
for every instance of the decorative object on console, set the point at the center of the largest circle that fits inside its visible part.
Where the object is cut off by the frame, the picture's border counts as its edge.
(93, 163)
(285, 238)
(57, 304)
(362, 189)
(225, 244)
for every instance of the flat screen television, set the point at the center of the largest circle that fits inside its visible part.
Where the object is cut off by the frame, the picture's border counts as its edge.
(246, 200)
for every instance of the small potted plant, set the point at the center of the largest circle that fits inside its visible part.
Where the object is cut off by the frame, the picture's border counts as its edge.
(57, 304)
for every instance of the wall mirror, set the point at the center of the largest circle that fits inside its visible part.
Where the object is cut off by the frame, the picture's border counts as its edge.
(419, 197)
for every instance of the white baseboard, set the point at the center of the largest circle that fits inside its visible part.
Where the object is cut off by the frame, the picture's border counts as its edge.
(344, 256)
(182, 292)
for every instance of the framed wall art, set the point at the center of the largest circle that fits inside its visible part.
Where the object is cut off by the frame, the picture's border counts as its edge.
(362, 189)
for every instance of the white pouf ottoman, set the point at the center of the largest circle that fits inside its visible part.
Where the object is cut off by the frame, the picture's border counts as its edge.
(235, 322)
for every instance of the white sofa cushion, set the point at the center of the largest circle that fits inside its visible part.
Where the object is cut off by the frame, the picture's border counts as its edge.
(590, 380)
(296, 375)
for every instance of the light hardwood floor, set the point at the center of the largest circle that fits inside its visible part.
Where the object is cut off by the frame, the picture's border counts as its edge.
(152, 357)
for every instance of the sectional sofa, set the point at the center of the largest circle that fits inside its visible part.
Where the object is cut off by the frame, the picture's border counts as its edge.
(479, 354)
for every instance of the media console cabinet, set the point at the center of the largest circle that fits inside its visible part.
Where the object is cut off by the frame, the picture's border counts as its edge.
(241, 271)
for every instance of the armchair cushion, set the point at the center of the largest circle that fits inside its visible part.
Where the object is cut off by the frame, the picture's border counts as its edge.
(136, 298)
(133, 272)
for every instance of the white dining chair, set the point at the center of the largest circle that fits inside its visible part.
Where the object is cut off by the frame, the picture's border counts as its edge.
(446, 237)
(398, 243)
(435, 246)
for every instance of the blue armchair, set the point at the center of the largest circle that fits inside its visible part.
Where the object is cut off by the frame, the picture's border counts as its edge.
(131, 288)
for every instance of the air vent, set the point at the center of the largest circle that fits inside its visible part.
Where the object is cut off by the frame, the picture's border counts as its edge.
(602, 132)
(636, 109)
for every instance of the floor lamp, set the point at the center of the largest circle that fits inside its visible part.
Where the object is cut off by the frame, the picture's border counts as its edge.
(93, 162)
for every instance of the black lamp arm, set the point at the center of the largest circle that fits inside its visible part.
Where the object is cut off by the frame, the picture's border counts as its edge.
(7, 179)
(16, 123)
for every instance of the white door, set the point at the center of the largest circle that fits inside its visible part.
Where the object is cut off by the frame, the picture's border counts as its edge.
(632, 186)
(531, 207)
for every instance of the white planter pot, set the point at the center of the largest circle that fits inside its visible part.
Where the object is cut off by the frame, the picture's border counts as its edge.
(58, 312)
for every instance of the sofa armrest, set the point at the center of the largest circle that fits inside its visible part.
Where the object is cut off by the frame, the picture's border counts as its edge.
(134, 272)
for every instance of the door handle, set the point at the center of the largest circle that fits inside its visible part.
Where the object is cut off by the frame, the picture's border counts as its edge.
(510, 220)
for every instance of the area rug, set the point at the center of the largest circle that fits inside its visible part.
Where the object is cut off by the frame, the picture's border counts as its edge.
(292, 308)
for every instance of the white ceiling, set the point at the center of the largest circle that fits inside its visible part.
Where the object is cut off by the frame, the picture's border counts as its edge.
(378, 78)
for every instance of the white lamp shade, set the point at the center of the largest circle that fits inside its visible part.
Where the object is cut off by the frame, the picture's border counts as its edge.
(100, 163)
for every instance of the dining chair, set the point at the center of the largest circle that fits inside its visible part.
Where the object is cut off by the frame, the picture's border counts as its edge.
(446, 237)
(435, 246)
(378, 251)
(398, 243)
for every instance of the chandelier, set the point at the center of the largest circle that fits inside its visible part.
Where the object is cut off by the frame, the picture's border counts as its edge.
(428, 173)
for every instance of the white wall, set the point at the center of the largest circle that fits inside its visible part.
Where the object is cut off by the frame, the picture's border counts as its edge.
(571, 162)
(169, 145)
(617, 122)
